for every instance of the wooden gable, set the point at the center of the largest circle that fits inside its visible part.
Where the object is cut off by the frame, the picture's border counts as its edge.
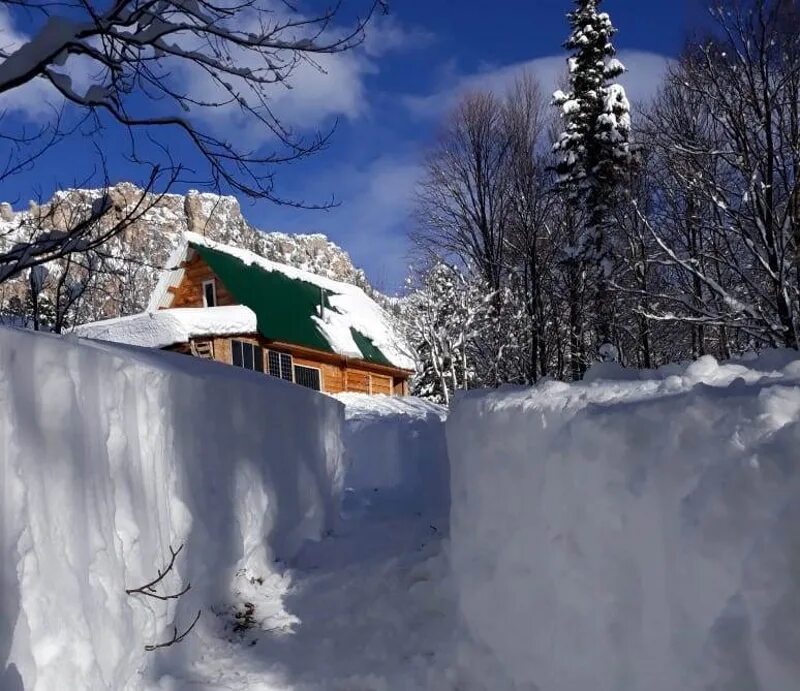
(189, 292)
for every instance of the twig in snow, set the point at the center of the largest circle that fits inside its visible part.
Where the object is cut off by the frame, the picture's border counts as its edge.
(175, 637)
(149, 590)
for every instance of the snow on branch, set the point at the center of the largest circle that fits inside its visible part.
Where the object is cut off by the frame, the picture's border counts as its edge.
(167, 64)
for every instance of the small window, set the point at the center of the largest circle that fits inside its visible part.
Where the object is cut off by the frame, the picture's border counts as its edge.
(236, 353)
(247, 355)
(280, 365)
(308, 377)
(209, 293)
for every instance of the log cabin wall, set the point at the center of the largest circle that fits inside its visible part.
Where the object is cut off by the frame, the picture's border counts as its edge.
(336, 374)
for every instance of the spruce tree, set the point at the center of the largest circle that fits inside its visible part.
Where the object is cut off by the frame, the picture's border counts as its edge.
(593, 149)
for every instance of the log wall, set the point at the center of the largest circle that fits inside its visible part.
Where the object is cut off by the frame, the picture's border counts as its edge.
(337, 375)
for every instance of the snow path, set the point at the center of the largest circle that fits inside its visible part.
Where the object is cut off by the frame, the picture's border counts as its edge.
(369, 608)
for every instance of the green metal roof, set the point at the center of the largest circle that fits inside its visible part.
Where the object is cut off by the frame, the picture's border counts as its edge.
(368, 349)
(284, 306)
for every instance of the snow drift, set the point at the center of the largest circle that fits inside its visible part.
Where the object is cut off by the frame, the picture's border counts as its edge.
(635, 531)
(109, 455)
(395, 454)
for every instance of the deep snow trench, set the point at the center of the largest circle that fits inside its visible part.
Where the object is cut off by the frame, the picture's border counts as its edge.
(313, 539)
(637, 530)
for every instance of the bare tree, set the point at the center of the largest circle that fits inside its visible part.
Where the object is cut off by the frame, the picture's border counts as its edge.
(149, 590)
(530, 239)
(490, 197)
(736, 156)
(463, 198)
(154, 71)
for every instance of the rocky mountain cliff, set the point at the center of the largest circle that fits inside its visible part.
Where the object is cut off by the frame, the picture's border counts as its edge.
(119, 281)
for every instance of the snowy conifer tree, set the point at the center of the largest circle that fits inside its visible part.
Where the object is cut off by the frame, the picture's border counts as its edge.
(594, 148)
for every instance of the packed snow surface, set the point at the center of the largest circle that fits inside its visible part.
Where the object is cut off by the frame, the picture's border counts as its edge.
(111, 455)
(395, 454)
(635, 531)
(170, 326)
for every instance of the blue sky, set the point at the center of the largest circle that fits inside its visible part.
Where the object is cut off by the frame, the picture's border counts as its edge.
(388, 98)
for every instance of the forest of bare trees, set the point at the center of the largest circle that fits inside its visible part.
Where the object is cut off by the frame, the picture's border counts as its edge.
(693, 249)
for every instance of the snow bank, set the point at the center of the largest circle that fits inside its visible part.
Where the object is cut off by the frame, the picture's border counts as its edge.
(109, 455)
(636, 531)
(169, 326)
(395, 453)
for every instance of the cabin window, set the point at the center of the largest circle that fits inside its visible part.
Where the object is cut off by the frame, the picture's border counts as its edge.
(247, 355)
(308, 377)
(280, 365)
(209, 293)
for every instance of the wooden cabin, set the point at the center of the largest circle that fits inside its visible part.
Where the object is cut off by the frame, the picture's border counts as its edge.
(234, 306)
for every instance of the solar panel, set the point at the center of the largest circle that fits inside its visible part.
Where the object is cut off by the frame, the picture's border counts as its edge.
(286, 367)
(274, 362)
(308, 377)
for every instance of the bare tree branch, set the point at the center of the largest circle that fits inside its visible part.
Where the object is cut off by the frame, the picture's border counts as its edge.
(175, 637)
(149, 589)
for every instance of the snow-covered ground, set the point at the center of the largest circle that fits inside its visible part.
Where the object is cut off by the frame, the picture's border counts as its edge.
(368, 609)
(636, 531)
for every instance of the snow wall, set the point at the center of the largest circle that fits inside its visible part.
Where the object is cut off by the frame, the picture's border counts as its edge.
(395, 454)
(109, 455)
(635, 531)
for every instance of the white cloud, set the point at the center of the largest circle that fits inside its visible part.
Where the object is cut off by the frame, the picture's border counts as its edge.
(372, 220)
(642, 80)
(385, 34)
(332, 86)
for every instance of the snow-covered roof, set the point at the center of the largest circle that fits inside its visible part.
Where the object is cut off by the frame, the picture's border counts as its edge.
(167, 327)
(286, 304)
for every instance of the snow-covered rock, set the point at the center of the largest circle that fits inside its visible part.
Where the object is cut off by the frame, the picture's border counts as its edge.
(109, 456)
(123, 281)
(395, 454)
(636, 531)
